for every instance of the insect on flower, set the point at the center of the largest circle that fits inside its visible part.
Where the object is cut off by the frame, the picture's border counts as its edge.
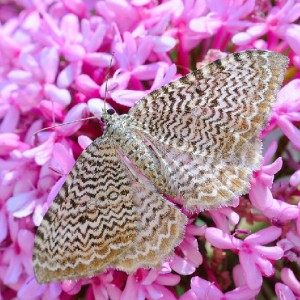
(194, 139)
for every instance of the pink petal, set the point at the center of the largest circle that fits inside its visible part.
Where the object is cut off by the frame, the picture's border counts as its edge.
(96, 106)
(274, 252)
(292, 36)
(84, 141)
(189, 295)
(3, 224)
(149, 277)
(73, 53)
(127, 97)
(222, 240)
(49, 63)
(281, 211)
(288, 277)
(61, 96)
(43, 152)
(205, 289)
(68, 74)
(273, 168)
(241, 293)
(50, 108)
(9, 142)
(25, 241)
(264, 236)
(10, 120)
(99, 59)
(87, 86)
(191, 252)
(54, 192)
(153, 292)
(182, 266)
(163, 43)
(243, 10)
(242, 38)
(131, 289)
(70, 27)
(291, 131)
(76, 6)
(64, 157)
(265, 266)
(14, 270)
(18, 202)
(252, 273)
(283, 292)
(97, 38)
(289, 93)
(31, 289)
(195, 230)
(168, 279)
(205, 25)
(146, 72)
(72, 287)
(20, 76)
(260, 196)
(238, 276)
(165, 292)
(75, 113)
(114, 293)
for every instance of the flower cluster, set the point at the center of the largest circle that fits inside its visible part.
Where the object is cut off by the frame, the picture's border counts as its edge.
(54, 57)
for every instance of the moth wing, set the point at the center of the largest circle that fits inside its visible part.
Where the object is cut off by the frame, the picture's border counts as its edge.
(215, 111)
(91, 222)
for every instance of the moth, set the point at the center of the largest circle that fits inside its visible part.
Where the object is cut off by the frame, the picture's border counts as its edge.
(194, 139)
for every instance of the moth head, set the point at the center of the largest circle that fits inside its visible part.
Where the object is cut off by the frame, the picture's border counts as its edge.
(108, 116)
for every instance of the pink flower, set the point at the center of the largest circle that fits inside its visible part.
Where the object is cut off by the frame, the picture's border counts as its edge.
(17, 257)
(150, 285)
(287, 112)
(107, 286)
(205, 290)
(291, 246)
(187, 256)
(255, 259)
(32, 290)
(227, 16)
(261, 195)
(276, 24)
(221, 216)
(291, 289)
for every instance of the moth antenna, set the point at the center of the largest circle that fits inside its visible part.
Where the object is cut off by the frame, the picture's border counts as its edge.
(106, 80)
(67, 123)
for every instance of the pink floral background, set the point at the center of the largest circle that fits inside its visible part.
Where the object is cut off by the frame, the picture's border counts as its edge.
(53, 59)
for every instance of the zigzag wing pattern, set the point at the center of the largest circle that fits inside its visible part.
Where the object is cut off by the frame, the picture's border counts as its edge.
(201, 182)
(214, 111)
(92, 221)
(160, 228)
(204, 126)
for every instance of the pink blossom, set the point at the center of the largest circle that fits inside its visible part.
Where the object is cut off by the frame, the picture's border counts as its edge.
(287, 112)
(205, 290)
(255, 259)
(187, 256)
(261, 194)
(17, 257)
(291, 246)
(221, 18)
(291, 287)
(221, 216)
(149, 285)
(276, 24)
